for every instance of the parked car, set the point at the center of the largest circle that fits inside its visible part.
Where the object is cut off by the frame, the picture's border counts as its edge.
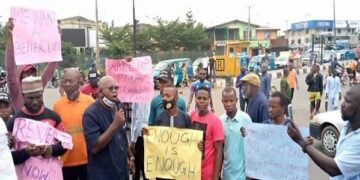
(255, 62)
(326, 127)
(281, 62)
(162, 65)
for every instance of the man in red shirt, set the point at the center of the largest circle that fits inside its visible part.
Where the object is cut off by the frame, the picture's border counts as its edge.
(210, 124)
(91, 88)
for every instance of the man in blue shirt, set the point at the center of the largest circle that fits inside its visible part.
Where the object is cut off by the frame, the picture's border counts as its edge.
(106, 137)
(257, 105)
(277, 107)
(233, 120)
(202, 82)
(346, 164)
(265, 85)
(156, 107)
(239, 85)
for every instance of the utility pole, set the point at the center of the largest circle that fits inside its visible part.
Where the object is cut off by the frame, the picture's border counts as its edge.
(97, 32)
(134, 29)
(334, 25)
(249, 30)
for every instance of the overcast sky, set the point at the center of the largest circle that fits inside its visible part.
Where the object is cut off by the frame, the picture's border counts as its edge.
(273, 13)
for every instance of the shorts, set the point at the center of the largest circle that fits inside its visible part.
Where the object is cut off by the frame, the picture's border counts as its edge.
(314, 96)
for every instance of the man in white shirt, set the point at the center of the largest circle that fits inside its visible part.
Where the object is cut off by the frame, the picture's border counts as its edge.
(346, 164)
(333, 90)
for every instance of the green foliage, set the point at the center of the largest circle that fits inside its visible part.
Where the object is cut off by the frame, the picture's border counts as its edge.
(118, 40)
(2, 44)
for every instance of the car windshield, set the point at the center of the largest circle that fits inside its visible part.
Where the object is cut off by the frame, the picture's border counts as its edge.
(160, 66)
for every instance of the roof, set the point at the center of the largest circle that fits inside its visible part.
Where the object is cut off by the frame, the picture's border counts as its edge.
(267, 28)
(77, 18)
(229, 22)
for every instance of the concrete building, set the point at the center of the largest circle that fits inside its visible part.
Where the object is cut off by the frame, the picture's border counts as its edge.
(301, 33)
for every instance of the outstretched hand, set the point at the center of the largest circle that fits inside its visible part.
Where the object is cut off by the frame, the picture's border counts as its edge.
(294, 132)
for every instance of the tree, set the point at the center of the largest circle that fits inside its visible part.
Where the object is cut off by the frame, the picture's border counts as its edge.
(144, 39)
(167, 34)
(2, 44)
(194, 35)
(118, 40)
(69, 54)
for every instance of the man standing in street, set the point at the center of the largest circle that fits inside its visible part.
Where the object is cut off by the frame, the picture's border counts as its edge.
(233, 120)
(34, 109)
(277, 107)
(71, 109)
(105, 134)
(206, 121)
(257, 105)
(212, 66)
(332, 90)
(156, 107)
(265, 84)
(292, 80)
(284, 84)
(239, 85)
(202, 82)
(346, 163)
(315, 88)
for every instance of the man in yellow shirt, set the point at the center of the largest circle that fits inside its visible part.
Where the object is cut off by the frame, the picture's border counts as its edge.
(71, 108)
(292, 80)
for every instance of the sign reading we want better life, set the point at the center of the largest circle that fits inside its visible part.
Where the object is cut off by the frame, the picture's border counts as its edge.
(172, 153)
(36, 36)
(134, 78)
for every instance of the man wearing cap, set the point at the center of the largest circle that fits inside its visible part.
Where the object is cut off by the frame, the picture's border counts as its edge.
(257, 106)
(105, 132)
(156, 107)
(71, 109)
(91, 88)
(17, 73)
(34, 109)
(5, 108)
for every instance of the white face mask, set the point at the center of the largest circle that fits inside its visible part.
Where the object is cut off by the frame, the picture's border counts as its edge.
(108, 103)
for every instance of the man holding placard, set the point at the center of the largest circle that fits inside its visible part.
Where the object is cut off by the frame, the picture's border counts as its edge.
(71, 109)
(37, 131)
(17, 73)
(346, 164)
(233, 120)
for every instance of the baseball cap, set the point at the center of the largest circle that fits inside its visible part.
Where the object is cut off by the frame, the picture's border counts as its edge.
(93, 76)
(165, 75)
(4, 97)
(251, 78)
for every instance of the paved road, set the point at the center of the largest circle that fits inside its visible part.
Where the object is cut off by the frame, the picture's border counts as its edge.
(300, 108)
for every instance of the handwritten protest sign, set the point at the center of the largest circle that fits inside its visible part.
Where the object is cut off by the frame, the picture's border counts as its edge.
(134, 78)
(27, 131)
(172, 153)
(36, 37)
(7, 168)
(271, 154)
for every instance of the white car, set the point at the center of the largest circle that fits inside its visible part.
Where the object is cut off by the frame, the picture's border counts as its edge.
(281, 62)
(326, 127)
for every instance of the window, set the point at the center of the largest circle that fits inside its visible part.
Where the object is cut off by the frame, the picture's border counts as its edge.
(267, 35)
(220, 50)
(219, 34)
(307, 31)
(245, 35)
(299, 41)
(339, 31)
(292, 41)
(234, 34)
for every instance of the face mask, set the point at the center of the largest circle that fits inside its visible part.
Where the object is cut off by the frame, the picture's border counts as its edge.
(168, 104)
(108, 103)
(72, 95)
(243, 93)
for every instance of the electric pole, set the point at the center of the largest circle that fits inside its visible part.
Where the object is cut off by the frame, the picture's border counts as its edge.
(249, 30)
(97, 32)
(134, 29)
(334, 25)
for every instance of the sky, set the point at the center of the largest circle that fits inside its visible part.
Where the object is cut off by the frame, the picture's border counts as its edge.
(271, 13)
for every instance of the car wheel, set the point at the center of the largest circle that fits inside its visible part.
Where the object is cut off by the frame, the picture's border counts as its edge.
(329, 139)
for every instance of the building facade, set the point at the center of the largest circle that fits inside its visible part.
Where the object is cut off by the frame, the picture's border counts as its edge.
(301, 32)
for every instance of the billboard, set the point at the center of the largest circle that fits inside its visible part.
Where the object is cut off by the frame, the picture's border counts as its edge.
(76, 36)
(314, 24)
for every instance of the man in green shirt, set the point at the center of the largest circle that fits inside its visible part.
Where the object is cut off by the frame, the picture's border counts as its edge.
(284, 85)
